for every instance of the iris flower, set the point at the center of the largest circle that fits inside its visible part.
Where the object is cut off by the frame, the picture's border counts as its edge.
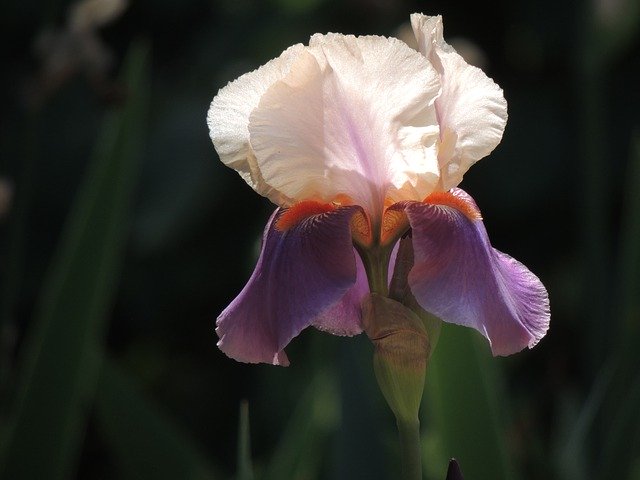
(361, 141)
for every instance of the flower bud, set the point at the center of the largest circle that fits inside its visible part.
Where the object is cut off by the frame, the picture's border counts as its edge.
(399, 290)
(401, 351)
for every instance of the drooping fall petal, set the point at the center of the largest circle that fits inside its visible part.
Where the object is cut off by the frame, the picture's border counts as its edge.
(345, 317)
(302, 271)
(471, 109)
(458, 276)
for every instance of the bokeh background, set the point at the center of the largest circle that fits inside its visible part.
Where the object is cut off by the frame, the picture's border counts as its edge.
(122, 237)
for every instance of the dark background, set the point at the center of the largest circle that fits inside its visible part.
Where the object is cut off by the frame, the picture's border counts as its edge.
(560, 193)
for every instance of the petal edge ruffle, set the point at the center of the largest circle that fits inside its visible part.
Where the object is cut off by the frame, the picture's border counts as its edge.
(228, 120)
(459, 277)
(471, 109)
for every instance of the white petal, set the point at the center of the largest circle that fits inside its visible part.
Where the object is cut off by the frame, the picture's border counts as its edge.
(354, 116)
(228, 119)
(472, 111)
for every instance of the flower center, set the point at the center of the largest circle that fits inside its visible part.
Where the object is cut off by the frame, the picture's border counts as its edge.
(374, 241)
(393, 225)
(448, 199)
(300, 211)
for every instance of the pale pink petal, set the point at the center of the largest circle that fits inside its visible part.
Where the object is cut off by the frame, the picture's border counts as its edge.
(228, 120)
(472, 111)
(354, 116)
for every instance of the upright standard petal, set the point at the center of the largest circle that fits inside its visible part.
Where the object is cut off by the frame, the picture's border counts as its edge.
(472, 111)
(460, 278)
(304, 269)
(354, 116)
(228, 120)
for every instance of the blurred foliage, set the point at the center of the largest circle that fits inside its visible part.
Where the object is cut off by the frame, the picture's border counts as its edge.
(62, 349)
(143, 442)
(245, 467)
(465, 408)
(122, 238)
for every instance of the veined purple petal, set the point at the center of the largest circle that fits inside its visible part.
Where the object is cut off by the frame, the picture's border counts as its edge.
(345, 317)
(459, 277)
(301, 273)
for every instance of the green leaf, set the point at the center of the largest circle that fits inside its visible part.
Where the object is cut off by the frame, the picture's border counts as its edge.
(463, 406)
(621, 422)
(628, 301)
(298, 6)
(622, 441)
(13, 266)
(245, 468)
(575, 426)
(615, 27)
(298, 455)
(62, 349)
(144, 441)
(366, 432)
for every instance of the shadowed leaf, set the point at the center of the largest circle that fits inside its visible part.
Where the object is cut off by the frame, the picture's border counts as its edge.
(62, 349)
(622, 428)
(298, 453)
(144, 441)
(245, 468)
(463, 404)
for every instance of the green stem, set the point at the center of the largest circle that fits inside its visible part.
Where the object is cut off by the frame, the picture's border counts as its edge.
(400, 355)
(376, 264)
(410, 449)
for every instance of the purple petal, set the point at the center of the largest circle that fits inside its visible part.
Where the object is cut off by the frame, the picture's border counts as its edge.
(345, 317)
(301, 273)
(459, 277)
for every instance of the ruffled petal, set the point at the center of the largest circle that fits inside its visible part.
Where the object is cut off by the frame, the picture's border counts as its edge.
(460, 278)
(472, 111)
(228, 120)
(301, 273)
(354, 116)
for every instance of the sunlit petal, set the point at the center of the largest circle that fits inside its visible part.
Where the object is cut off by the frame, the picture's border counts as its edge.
(353, 116)
(460, 278)
(301, 273)
(472, 111)
(228, 119)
